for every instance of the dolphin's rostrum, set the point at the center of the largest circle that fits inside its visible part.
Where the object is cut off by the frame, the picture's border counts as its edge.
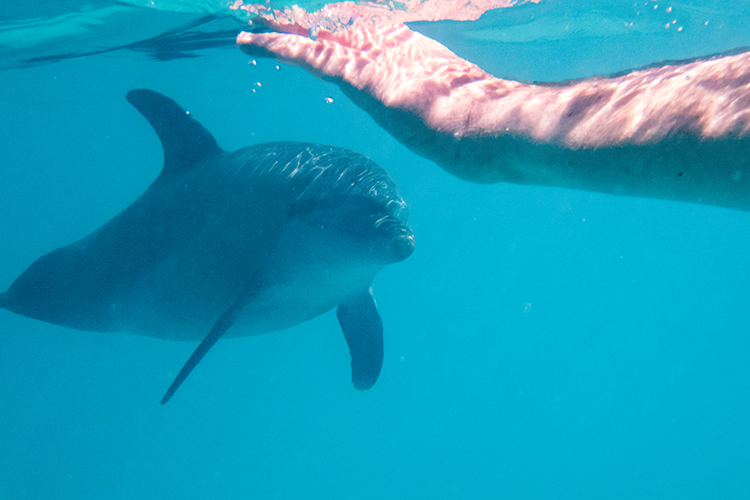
(230, 244)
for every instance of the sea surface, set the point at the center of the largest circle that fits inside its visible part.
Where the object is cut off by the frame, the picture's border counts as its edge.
(540, 343)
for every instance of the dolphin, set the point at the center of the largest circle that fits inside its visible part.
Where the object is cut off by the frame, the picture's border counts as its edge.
(230, 244)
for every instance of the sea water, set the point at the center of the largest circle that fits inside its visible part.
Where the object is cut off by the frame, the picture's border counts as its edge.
(540, 343)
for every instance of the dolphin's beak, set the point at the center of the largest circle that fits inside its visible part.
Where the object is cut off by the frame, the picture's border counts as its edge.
(401, 244)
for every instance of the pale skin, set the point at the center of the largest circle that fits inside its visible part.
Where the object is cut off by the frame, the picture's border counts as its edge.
(679, 132)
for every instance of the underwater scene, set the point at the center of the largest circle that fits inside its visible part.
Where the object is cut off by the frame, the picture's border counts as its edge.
(383, 280)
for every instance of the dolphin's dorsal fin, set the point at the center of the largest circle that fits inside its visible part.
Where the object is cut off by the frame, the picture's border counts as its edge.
(184, 140)
(363, 330)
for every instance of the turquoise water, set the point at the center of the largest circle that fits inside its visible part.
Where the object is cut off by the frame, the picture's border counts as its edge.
(540, 343)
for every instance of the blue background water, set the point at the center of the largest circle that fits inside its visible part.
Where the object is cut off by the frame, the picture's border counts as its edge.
(540, 343)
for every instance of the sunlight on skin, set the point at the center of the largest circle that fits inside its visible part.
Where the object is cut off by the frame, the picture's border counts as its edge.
(337, 15)
(406, 70)
(674, 132)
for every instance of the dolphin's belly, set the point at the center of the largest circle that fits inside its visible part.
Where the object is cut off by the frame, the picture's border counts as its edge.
(306, 296)
(276, 307)
(184, 296)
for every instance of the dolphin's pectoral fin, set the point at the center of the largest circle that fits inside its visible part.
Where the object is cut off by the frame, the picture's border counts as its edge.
(363, 331)
(221, 326)
(4, 300)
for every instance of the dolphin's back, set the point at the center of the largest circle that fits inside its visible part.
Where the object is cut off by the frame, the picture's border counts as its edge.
(76, 285)
(305, 172)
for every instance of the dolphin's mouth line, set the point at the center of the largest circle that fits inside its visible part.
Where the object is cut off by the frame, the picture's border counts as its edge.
(388, 222)
(393, 241)
(348, 231)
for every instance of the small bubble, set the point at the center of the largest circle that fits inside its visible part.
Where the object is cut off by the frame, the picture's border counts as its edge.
(328, 100)
(669, 9)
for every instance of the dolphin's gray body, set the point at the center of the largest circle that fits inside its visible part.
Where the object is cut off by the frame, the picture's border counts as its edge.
(233, 244)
